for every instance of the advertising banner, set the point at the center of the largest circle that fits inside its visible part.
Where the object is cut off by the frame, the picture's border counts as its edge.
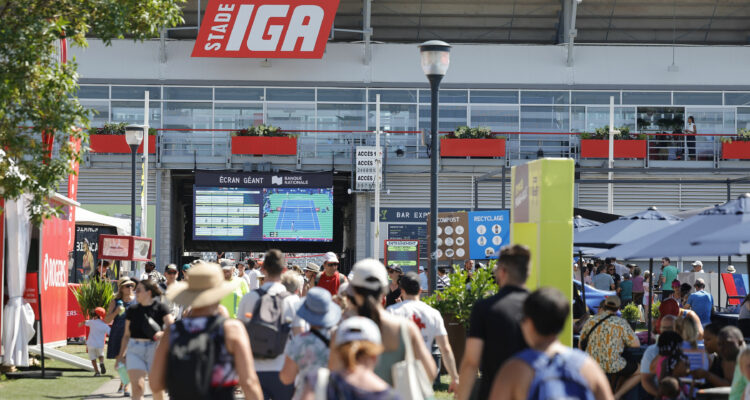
(488, 232)
(128, 248)
(404, 253)
(75, 315)
(86, 250)
(265, 28)
(55, 257)
(542, 215)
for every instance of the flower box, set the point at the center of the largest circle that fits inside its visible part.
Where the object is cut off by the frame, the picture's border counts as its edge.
(117, 144)
(736, 150)
(260, 145)
(599, 148)
(472, 147)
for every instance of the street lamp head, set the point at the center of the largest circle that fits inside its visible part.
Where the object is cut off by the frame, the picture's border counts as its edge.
(436, 57)
(134, 134)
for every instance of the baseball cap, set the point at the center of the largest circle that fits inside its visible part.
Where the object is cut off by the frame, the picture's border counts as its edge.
(410, 283)
(100, 312)
(226, 264)
(357, 329)
(396, 267)
(185, 267)
(421, 268)
(612, 302)
(698, 262)
(369, 274)
(330, 257)
(171, 266)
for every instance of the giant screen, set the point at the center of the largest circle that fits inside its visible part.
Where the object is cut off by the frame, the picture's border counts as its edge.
(259, 206)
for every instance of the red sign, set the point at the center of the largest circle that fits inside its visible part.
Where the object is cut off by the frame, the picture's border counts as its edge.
(55, 254)
(75, 315)
(265, 28)
(129, 248)
(29, 293)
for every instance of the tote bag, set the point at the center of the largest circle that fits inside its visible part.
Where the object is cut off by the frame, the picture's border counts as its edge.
(410, 380)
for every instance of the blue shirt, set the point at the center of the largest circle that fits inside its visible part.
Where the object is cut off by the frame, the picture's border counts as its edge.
(702, 303)
(603, 281)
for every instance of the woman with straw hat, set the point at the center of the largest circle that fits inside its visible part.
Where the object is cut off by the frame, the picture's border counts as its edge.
(233, 360)
(309, 351)
(116, 316)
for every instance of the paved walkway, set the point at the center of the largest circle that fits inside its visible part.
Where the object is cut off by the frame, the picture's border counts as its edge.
(109, 391)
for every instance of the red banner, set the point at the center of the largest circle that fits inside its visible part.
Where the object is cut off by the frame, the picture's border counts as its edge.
(75, 315)
(56, 249)
(265, 28)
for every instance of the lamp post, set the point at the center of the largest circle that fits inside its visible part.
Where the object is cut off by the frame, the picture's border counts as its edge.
(435, 56)
(134, 136)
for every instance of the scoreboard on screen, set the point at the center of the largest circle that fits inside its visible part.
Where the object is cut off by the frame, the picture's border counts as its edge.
(404, 253)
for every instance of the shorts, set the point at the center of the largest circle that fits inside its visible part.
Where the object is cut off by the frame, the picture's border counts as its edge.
(95, 352)
(140, 355)
(630, 367)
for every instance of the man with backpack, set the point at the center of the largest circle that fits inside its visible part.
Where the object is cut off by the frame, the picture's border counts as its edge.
(548, 369)
(268, 313)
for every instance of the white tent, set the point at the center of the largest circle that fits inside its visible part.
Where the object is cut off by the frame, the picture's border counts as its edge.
(86, 217)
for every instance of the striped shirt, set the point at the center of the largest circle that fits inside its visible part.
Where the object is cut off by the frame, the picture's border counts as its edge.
(442, 282)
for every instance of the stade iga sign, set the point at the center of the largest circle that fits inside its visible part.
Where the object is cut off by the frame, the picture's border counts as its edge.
(265, 28)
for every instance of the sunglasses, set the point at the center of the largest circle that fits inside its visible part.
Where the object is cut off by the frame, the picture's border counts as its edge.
(171, 272)
(129, 285)
(332, 264)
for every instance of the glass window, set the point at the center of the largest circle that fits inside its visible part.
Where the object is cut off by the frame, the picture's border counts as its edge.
(393, 96)
(342, 95)
(697, 98)
(284, 94)
(246, 94)
(743, 119)
(646, 98)
(450, 118)
(183, 115)
(544, 119)
(101, 112)
(188, 93)
(497, 118)
(136, 92)
(93, 92)
(737, 98)
(394, 117)
(588, 119)
(237, 115)
(446, 96)
(540, 97)
(132, 112)
(494, 96)
(595, 97)
(291, 116)
(712, 120)
(335, 117)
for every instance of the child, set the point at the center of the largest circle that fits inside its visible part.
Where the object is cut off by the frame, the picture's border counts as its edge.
(95, 342)
(669, 389)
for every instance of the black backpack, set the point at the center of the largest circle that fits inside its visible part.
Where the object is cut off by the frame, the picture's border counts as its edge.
(267, 330)
(191, 360)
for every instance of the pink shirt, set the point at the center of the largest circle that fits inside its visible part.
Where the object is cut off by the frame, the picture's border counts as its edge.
(638, 284)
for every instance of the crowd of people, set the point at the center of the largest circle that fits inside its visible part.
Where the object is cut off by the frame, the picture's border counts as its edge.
(273, 331)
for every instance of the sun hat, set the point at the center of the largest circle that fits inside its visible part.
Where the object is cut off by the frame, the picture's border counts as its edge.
(330, 257)
(698, 262)
(612, 302)
(318, 308)
(312, 267)
(369, 274)
(731, 269)
(206, 286)
(225, 264)
(357, 329)
(100, 312)
(125, 280)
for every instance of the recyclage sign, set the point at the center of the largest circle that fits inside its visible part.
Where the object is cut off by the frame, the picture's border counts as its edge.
(265, 28)
(488, 232)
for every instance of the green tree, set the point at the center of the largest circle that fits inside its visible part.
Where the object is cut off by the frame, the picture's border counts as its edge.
(37, 91)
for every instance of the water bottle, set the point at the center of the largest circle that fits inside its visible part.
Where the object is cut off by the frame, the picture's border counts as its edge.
(123, 372)
(121, 306)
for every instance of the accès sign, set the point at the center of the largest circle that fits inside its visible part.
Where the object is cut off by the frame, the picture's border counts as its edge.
(265, 28)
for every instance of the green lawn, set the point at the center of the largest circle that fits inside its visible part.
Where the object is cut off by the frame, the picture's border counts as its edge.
(73, 384)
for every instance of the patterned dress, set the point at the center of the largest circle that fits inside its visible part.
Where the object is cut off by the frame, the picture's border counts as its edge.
(608, 341)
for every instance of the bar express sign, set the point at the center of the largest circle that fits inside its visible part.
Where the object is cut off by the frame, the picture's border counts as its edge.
(265, 28)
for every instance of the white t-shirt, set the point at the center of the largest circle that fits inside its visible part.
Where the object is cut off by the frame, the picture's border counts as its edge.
(97, 330)
(428, 320)
(247, 305)
(252, 278)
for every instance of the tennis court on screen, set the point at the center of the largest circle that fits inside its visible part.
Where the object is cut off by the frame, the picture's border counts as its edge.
(298, 215)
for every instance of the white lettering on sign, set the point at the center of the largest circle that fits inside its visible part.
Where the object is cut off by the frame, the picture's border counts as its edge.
(260, 30)
(54, 272)
(229, 179)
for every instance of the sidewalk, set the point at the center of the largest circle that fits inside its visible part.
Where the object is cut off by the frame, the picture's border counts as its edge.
(109, 391)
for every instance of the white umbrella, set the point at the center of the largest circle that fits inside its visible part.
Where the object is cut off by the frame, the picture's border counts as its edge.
(625, 229)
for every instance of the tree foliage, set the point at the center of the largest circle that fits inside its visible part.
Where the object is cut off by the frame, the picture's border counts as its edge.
(37, 91)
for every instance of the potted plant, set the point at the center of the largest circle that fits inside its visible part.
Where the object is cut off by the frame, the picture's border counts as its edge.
(626, 145)
(101, 140)
(472, 142)
(736, 148)
(632, 314)
(93, 293)
(263, 139)
(457, 300)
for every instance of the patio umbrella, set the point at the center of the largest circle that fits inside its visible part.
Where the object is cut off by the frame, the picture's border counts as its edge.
(581, 224)
(625, 229)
